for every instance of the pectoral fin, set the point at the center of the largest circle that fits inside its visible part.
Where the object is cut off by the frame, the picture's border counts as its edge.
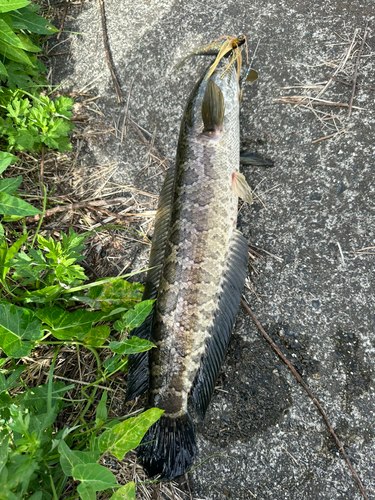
(248, 158)
(213, 109)
(241, 188)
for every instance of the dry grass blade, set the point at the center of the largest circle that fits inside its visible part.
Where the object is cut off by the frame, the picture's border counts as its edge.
(297, 100)
(75, 206)
(341, 64)
(356, 71)
(365, 251)
(163, 160)
(265, 251)
(339, 132)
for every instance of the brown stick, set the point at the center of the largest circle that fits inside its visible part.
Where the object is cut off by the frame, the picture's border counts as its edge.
(355, 72)
(108, 54)
(75, 206)
(348, 84)
(62, 21)
(312, 397)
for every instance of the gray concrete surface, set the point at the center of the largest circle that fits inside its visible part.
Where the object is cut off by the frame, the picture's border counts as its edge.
(317, 304)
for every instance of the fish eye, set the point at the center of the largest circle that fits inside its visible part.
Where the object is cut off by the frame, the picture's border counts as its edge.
(241, 39)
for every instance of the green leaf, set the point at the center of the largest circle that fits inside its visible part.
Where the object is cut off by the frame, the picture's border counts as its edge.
(4, 450)
(42, 296)
(70, 458)
(113, 363)
(118, 292)
(126, 492)
(18, 77)
(15, 206)
(95, 475)
(10, 185)
(14, 53)
(1, 232)
(135, 317)
(86, 491)
(37, 397)
(8, 36)
(127, 435)
(12, 218)
(27, 43)
(26, 19)
(131, 346)
(3, 70)
(101, 411)
(8, 383)
(65, 325)
(97, 335)
(6, 255)
(6, 159)
(8, 5)
(29, 266)
(36, 496)
(19, 328)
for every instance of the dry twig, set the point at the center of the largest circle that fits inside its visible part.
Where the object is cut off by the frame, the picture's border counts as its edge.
(65, 10)
(348, 84)
(108, 54)
(312, 397)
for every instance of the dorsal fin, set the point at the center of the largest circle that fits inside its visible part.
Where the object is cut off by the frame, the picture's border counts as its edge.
(228, 303)
(213, 109)
(138, 364)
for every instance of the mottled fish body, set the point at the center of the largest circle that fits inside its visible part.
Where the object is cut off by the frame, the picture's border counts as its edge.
(200, 264)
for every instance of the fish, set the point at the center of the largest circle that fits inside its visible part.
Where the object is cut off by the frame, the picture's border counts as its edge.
(198, 266)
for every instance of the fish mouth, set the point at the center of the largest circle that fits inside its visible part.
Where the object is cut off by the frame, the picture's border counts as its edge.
(231, 54)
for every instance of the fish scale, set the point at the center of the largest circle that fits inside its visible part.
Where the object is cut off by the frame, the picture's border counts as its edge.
(203, 261)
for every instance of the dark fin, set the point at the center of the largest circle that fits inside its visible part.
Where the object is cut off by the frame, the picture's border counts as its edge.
(159, 240)
(247, 158)
(138, 376)
(229, 300)
(168, 448)
(213, 109)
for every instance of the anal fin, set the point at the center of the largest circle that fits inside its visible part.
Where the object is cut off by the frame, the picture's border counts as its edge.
(228, 303)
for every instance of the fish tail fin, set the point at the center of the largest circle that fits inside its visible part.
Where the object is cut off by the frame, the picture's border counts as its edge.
(168, 448)
(213, 110)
